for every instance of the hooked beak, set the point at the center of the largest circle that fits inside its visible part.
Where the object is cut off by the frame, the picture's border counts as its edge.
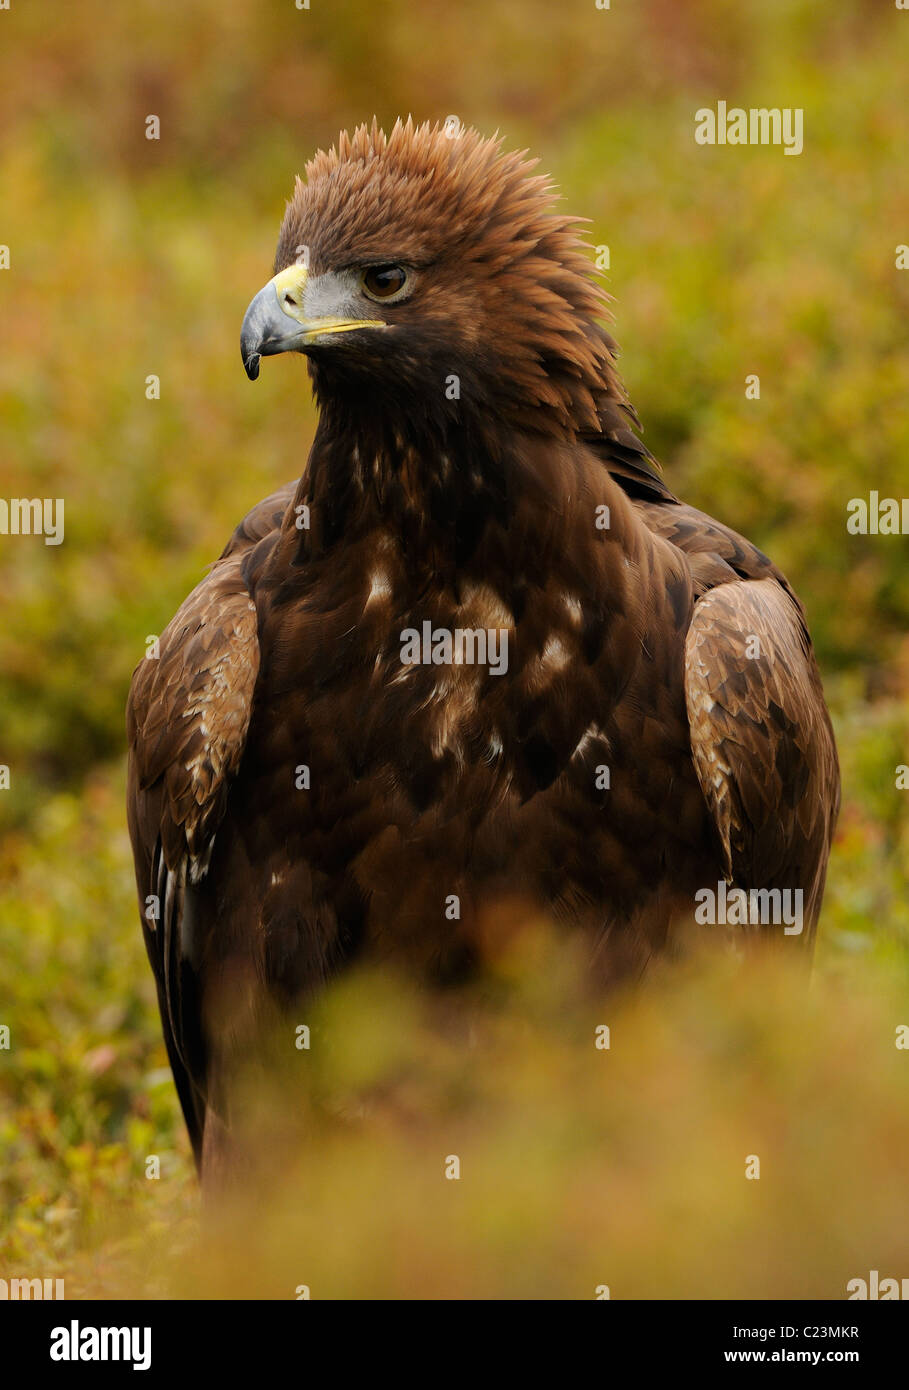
(275, 320)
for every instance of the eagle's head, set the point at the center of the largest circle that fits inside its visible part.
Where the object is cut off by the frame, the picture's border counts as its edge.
(427, 272)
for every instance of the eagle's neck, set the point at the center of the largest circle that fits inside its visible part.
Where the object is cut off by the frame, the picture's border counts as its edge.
(450, 495)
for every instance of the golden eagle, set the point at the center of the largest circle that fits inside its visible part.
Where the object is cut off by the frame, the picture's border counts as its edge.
(477, 655)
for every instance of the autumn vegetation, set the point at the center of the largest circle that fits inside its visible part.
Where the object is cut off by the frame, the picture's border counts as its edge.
(132, 258)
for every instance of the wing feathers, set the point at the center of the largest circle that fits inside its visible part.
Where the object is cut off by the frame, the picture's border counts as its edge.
(187, 721)
(189, 711)
(761, 739)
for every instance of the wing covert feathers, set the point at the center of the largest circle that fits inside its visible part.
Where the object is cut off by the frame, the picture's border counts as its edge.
(761, 738)
(189, 712)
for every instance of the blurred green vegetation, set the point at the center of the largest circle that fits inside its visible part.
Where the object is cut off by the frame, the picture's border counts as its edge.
(132, 258)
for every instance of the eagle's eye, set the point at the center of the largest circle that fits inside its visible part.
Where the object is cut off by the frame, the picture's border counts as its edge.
(384, 281)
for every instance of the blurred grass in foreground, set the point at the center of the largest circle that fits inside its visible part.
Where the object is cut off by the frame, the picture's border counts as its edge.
(579, 1167)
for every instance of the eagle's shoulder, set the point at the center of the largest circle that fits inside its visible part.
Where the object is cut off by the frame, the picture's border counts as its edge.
(190, 702)
(715, 553)
(761, 740)
(189, 710)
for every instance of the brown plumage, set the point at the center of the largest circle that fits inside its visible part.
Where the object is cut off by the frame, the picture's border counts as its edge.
(472, 431)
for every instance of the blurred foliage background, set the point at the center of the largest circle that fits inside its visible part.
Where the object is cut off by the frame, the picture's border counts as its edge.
(132, 258)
